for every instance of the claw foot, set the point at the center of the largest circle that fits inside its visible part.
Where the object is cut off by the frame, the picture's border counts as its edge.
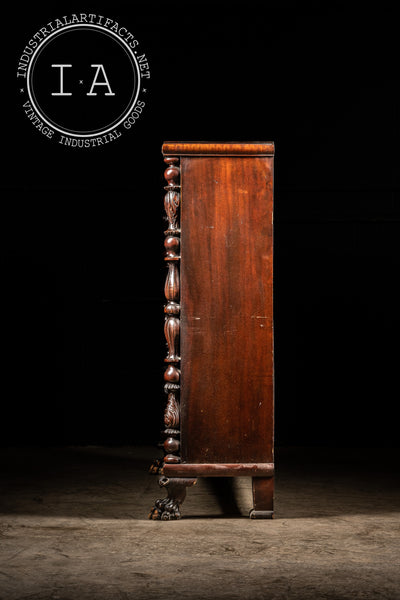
(168, 509)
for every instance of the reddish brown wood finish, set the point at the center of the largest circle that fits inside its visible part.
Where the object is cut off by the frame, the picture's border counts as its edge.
(263, 498)
(219, 200)
(220, 470)
(226, 309)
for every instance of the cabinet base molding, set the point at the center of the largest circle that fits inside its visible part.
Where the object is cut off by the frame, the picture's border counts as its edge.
(219, 470)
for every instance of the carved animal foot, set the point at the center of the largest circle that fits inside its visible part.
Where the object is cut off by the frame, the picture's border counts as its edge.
(167, 509)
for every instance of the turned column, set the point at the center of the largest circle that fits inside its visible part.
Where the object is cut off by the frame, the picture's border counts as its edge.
(169, 508)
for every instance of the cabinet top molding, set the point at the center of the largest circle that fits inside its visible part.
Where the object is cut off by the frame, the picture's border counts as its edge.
(215, 149)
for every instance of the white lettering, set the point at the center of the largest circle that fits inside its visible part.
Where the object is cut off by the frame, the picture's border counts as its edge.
(106, 83)
(61, 92)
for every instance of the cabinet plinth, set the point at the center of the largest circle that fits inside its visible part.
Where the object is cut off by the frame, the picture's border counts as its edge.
(219, 318)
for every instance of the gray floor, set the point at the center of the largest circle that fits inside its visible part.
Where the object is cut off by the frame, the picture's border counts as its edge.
(73, 526)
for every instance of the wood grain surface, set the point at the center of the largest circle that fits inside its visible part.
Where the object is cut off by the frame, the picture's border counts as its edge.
(226, 309)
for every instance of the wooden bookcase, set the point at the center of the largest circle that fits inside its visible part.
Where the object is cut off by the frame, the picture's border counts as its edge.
(219, 377)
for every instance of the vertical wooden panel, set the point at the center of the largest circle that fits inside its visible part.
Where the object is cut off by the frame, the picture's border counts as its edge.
(226, 309)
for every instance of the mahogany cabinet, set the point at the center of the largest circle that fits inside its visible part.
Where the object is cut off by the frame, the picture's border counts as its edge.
(219, 379)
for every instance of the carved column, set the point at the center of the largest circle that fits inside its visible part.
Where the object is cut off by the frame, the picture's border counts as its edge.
(168, 508)
(172, 310)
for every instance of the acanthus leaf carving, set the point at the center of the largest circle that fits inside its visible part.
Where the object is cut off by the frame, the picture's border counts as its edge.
(171, 204)
(171, 414)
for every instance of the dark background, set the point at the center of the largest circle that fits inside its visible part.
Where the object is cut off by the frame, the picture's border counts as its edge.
(81, 230)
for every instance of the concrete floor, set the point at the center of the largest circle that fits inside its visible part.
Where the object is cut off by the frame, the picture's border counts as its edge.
(73, 526)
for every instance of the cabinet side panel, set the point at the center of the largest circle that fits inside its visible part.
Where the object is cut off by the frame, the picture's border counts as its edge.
(226, 309)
